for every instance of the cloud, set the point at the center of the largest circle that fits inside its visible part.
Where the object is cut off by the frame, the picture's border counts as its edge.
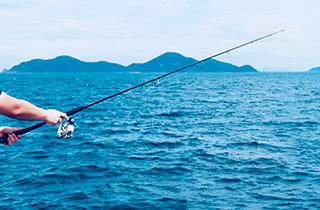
(65, 24)
(135, 31)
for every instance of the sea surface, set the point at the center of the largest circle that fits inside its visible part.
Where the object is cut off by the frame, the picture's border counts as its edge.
(194, 141)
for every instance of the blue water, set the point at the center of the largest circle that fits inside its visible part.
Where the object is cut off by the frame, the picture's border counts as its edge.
(198, 141)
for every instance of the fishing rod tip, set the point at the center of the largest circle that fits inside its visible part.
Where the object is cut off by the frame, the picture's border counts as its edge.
(287, 28)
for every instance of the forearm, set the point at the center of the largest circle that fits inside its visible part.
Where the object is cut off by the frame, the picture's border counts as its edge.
(23, 110)
(20, 109)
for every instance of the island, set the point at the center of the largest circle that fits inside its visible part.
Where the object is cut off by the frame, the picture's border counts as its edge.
(315, 69)
(166, 62)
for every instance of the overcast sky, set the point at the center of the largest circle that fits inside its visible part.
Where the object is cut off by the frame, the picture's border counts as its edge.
(128, 31)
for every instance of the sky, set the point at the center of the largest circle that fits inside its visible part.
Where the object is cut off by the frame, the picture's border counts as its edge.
(135, 31)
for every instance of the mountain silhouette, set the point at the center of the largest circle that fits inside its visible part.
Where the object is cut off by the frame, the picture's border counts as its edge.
(164, 63)
(315, 69)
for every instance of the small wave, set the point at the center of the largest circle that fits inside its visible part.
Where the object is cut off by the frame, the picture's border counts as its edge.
(172, 114)
(123, 207)
(274, 178)
(86, 169)
(169, 203)
(230, 188)
(209, 100)
(249, 144)
(292, 180)
(24, 182)
(43, 205)
(117, 131)
(169, 171)
(137, 158)
(265, 197)
(94, 144)
(303, 174)
(229, 180)
(203, 153)
(37, 154)
(169, 145)
(78, 196)
(265, 161)
(71, 177)
(171, 134)
(291, 124)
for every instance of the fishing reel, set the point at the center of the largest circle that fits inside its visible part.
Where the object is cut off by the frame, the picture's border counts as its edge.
(66, 129)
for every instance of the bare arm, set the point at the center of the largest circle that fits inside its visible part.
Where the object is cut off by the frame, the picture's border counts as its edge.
(23, 110)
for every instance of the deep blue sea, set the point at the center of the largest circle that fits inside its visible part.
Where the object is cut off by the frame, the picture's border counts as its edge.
(197, 141)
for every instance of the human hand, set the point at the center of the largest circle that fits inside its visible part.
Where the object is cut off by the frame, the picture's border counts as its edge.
(11, 136)
(54, 117)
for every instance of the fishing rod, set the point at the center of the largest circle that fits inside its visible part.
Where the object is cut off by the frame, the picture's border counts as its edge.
(66, 129)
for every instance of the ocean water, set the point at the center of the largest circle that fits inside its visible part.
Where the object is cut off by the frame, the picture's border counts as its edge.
(197, 141)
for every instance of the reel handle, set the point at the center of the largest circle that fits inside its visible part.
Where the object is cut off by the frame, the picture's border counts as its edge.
(71, 120)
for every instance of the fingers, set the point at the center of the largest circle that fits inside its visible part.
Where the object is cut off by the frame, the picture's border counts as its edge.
(64, 115)
(12, 138)
(54, 117)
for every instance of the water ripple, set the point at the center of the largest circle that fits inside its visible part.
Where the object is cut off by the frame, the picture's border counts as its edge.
(199, 141)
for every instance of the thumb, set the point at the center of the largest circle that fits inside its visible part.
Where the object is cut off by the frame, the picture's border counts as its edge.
(16, 129)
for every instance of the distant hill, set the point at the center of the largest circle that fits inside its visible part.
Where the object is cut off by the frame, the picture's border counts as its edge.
(315, 69)
(166, 62)
(63, 64)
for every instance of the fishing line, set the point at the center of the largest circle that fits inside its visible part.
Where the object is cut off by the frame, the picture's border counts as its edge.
(69, 127)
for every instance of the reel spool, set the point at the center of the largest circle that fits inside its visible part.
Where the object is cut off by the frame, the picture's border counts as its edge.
(66, 129)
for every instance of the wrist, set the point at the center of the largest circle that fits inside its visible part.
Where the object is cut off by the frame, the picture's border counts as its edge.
(44, 115)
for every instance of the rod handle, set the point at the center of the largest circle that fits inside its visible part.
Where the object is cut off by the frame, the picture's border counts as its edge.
(4, 139)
